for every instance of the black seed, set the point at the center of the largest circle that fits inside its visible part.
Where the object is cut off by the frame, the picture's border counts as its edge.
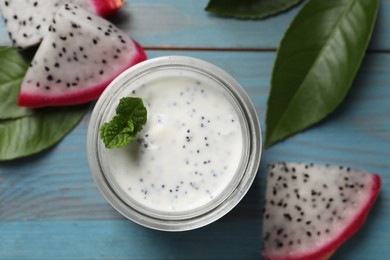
(47, 68)
(279, 231)
(287, 216)
(308, 233)
(57, 65)
(104, 61)
(279, 244)
(15, 17)
(298, 208)
(63, 38)
(308, 222)
(101, 72)
(47, 87)
(49, 78)
(89, 18)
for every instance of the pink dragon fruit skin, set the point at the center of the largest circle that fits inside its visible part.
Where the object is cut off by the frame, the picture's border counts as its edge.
(81, 54)
(311, 210)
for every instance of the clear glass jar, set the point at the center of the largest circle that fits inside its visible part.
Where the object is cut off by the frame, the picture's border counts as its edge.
(129, 182)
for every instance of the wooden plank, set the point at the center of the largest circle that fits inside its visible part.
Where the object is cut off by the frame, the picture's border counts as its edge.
(171, 23)
(51, 209)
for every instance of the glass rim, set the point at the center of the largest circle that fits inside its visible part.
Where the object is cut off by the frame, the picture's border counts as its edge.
(213, 210)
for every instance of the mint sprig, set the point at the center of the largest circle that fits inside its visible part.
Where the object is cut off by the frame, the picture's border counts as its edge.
(130, 117)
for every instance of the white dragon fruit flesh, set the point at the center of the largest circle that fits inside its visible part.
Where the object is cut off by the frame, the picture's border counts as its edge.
(310, 210)
(27, 21)
(79, 56)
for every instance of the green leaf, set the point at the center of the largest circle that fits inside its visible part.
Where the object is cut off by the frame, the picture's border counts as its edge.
(316, 63)
(12, 70)
(31, 134)
(25, 131)
(130, 117)
(249, 9)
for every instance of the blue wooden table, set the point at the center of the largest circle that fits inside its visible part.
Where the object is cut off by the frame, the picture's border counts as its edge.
(51, 209)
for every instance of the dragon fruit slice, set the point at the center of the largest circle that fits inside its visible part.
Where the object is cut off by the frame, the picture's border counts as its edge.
(310, 210)
(81, 54)
(27, 20)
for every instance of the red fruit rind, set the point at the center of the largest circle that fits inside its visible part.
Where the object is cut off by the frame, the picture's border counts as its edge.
(31, 100)
(326, 251)
(107, 7)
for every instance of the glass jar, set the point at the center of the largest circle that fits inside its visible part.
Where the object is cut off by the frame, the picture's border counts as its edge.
(195, 158)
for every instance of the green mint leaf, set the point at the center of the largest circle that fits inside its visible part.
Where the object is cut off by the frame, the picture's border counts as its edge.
(249, 9)
(316, 63)
(130, 117)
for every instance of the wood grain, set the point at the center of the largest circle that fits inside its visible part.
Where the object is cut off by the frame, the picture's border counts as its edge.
(50, 202)
(171, 23)
(51, 209)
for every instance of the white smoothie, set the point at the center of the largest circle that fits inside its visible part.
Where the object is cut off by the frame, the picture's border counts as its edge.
(187, 153)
